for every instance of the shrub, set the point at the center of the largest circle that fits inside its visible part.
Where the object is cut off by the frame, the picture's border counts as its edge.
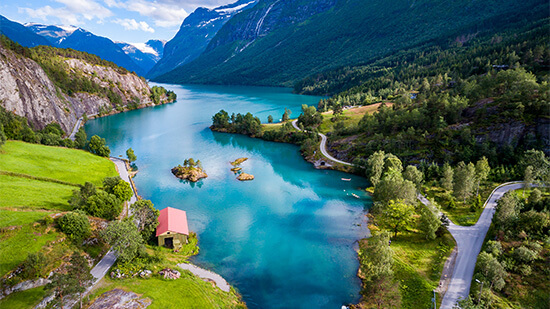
(32, 265)
(76, 225)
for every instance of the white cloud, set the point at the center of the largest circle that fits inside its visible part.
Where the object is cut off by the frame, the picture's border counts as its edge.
(132, 24)
(71, 13)
(165, 13)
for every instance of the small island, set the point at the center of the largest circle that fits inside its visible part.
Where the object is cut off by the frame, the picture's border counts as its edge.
(245, 177)
(190, 170)
(238, 162)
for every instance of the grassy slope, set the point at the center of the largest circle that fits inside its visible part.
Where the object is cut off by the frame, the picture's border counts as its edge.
(25, 299)
(187, 292)
(418, 266)
(70, 165)
(20, 193)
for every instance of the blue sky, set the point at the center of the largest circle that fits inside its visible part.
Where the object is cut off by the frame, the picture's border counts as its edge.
(133, 21)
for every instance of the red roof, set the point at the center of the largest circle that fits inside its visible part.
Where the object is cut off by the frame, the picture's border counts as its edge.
(172, 220)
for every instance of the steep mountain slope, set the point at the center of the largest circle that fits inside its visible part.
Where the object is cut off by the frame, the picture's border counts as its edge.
(20, 33)
(82, 40)
(46, 84)
(195, 33)
(144, 55)
(281, 41)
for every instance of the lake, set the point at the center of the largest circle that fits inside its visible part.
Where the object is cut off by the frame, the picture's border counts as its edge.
(286, 239)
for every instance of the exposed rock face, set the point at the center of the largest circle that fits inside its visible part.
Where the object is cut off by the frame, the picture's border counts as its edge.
(119, 299)
(26, 90)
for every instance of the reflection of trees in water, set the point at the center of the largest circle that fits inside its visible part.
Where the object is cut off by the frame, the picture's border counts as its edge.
(199, 183)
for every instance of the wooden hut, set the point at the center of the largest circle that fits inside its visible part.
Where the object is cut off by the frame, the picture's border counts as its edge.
(172, 231)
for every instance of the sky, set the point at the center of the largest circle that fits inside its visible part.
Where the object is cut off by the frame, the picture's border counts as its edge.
(132, 21)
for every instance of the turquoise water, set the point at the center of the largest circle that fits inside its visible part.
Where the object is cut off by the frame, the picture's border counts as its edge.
(285, 239)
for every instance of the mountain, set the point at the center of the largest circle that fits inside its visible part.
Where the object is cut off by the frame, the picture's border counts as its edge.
(20, 33)
(82, 40)
(195, 33)
(60, 85)
(145, 55)
(279, 42)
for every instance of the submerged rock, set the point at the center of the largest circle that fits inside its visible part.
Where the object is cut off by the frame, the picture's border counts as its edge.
(245, 176)
(238, 161)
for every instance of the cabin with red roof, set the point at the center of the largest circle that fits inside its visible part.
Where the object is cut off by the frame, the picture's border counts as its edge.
(172, 231)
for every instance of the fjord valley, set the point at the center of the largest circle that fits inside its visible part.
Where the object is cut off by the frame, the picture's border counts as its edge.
(402, 163)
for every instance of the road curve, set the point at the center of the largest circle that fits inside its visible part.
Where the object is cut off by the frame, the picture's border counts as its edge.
(322, 146)
(75, 128)
(469, 240)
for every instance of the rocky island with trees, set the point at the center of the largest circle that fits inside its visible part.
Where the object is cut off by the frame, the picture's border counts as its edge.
(191, 170)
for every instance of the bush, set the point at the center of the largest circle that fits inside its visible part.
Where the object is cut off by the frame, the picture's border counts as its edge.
(32, 265)
(76, 225)
(103, 205)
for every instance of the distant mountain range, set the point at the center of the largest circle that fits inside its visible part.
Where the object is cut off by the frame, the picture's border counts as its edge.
(280, 42)
(139, 58)
(196, 31)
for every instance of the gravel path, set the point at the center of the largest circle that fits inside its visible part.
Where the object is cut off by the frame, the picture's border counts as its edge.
(322, 146)
(469, 240)
(206, 274)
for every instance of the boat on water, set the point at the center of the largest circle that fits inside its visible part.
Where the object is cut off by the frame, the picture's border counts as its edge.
(346, 179)
(355, 195)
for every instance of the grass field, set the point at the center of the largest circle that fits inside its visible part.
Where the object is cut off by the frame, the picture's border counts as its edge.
(70, 165)
(350, 116)
(418, 266)
(17, 243)
(24, 299)
(20, 193)
(187, 292)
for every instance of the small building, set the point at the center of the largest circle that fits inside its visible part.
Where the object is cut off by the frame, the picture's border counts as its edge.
(172, 231)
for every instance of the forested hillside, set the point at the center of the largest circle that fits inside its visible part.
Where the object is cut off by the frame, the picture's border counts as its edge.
(280, 43)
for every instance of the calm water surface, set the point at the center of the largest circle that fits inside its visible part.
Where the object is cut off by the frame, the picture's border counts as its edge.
(285, 239)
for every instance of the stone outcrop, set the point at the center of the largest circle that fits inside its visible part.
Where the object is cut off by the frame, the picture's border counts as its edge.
(23, 286)
(192, 174)
(245, 177)
(26, 90)
(119, 299)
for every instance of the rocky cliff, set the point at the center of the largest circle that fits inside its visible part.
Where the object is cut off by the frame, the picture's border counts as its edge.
(26, 90)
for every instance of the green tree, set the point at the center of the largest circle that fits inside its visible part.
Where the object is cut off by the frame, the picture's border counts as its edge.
(414, 175)
(131, 155)
(507, 211)
(220, 119)
(392, 164)
(80, 138)
(109, 183)
(33, 265)
(270, 119)
(539, 162)
(125, 239)
(62, 285)
(491, 268)
(394, 187)
(2, 135)
(447, 178)
(99, 146)
(528, 178)
(494, 247)
(375, 167)
(309, 118)
(145, 217)
(535, 196)
(482, 172)
(79, 272)
(429, 222)
(75, 225)
(397, 216)
(123, 191)
(464, 180)
(79, 197)
(286, 115)
(103, 205)
(534, 222)
(376, 264)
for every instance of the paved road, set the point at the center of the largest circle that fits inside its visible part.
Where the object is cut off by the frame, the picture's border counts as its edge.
(75, 129)
(206, 274)
(123, 172)
(469, 240)
(322, 146)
